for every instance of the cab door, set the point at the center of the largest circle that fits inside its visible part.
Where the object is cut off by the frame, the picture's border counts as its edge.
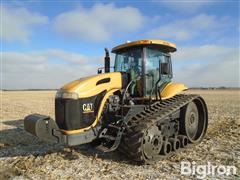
(156, 62)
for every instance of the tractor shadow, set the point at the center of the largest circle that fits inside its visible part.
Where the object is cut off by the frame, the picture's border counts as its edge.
(88, 150)
(15, 141)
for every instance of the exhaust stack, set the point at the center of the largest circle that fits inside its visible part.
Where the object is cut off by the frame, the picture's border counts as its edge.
(107, 61)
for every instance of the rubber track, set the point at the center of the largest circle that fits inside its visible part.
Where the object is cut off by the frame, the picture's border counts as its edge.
(155, 114)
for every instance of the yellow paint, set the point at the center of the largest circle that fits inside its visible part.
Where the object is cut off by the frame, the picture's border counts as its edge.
(97, 118)
(86, 87)
(172, 89)
(170, 46)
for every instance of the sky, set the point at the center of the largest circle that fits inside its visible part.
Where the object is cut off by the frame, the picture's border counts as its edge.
(46, 44)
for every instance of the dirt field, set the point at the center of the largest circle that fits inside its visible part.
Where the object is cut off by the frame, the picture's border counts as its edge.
(22, 156)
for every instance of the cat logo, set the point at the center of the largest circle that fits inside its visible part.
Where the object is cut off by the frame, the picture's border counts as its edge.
(87, 108)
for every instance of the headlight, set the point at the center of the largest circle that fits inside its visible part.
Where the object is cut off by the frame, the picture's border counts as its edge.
(66, 95)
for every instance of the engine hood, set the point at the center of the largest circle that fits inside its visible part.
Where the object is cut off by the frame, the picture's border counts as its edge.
(92, 85)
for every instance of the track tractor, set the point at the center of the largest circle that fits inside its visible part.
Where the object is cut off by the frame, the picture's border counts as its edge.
(134, 108)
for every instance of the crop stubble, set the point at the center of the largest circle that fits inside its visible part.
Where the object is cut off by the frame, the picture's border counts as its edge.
(24, 156)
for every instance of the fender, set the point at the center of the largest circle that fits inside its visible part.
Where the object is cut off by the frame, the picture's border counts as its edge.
(171, 89)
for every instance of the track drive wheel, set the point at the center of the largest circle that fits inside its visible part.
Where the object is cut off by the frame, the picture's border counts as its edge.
(143, 144)
(194, 120)
(152, 143)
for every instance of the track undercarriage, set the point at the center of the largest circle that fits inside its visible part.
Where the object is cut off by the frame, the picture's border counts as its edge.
(161, 129)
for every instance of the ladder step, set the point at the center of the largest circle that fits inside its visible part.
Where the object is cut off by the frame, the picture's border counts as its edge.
(113, 126)
(109, 137)
(102, 148)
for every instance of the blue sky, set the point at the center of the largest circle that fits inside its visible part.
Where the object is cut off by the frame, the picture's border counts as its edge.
(46, 44)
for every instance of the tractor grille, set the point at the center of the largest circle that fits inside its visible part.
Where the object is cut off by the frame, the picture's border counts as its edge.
(69, 112)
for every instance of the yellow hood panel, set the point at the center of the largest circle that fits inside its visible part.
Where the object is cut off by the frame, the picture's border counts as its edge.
(87, 87)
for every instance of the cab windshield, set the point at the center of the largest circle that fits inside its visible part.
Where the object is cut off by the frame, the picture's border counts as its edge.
(129, 60)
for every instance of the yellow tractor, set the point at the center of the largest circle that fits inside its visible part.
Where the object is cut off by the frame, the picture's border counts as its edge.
(135, 109)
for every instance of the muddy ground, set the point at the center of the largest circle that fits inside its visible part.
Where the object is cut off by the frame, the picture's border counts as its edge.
(23, 156)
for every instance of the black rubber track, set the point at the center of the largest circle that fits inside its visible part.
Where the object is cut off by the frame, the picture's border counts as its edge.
(131, 143)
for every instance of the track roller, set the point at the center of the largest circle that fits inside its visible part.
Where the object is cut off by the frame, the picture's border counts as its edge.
(175, 144)
(183, 141)
(166, 148)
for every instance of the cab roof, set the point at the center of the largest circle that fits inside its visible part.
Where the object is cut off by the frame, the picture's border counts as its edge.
(161, 44)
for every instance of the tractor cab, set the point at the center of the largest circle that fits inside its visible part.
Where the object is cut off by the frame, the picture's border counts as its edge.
(148, 64)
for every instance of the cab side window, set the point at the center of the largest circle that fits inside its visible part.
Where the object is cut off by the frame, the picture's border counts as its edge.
(166, 66)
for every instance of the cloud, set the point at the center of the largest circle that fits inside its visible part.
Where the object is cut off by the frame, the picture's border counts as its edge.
(51, 68)
(190, 28)
(70, 57)
(207, 66)
(18, 23)
(204, 53)
(99, 23)
(224, 73)
(187, 6)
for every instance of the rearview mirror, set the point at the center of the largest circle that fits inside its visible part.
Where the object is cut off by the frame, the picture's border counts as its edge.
(164, 68)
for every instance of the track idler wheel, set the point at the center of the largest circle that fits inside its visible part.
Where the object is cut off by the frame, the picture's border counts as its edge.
(194, 120)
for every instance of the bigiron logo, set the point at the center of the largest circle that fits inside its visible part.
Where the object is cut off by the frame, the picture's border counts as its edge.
(87, 107)
(203, 171)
